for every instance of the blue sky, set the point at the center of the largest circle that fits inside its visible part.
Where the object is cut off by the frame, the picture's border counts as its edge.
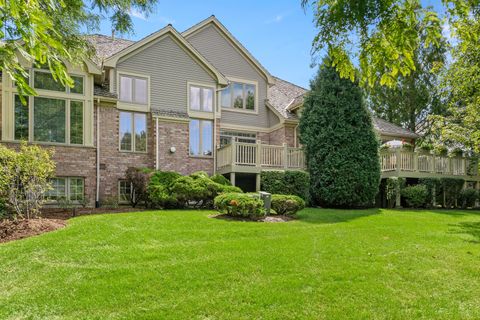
(278, 33)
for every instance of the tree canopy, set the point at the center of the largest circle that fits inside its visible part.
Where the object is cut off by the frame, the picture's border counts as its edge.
(49, 33)
(340, 143)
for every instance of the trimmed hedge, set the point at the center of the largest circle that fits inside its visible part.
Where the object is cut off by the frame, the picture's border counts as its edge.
(468, 197)
(287, 205)
(415, 196)
(240, 205)
(286, 182)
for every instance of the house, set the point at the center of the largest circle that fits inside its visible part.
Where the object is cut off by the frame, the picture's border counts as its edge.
(196, 100)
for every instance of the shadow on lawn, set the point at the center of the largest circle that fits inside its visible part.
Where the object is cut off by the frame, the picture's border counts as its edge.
(470, 228)
(334, 215)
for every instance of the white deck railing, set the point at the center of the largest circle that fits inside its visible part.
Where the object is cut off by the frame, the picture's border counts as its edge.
(408, 161)
(260, 155)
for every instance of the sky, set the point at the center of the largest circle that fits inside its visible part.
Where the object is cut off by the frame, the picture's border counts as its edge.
(278, 33)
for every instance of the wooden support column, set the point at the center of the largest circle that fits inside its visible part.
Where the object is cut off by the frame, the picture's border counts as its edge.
(257, 182)
(232, 178)
(285, 156)
(434, 196)
(398, 198)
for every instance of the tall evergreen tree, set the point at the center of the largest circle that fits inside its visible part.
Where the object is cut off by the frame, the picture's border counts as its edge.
(340, 142)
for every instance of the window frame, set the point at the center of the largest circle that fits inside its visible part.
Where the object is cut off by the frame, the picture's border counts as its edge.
(200, 139)
(201, 86)
(132, 127)
(119, 188)
(133, 77)
(244, 83)
(47, 91)
(68, 187)
(237, 135)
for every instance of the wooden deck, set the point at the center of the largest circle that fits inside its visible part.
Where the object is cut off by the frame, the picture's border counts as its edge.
(255, 157)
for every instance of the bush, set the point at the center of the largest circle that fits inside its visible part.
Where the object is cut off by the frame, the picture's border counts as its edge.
(138, 179)
(450, 189)
(159, 195)
(240, 205)
(24, 178)
(218, 178)
(340, 142)
(433, 189)
(288, 183)
(392, 186)
(415, 196)
(468, 197)
(287, 205)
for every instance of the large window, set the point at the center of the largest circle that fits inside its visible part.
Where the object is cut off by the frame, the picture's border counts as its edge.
(133, 89)
(239, 96)
(201, 137)
(44, 80)
(226, 137)
(66, 188)
(133, 131)
(50, 121)
(201, 98)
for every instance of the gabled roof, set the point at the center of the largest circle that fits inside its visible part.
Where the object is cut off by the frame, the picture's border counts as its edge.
(389, 129)
(115, 49)
(106, 46)
(213, 20)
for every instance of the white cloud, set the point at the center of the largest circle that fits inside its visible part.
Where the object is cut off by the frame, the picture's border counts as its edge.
(277, 19)
(137, 14)
(166, 20)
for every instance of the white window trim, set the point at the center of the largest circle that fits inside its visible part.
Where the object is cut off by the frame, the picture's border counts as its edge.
(200, 140)
(67, 189)
(201, 114)
(242, 81)
(133, 132)
(130, 105)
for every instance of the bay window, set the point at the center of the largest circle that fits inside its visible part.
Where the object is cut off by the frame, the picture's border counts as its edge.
(133, 131)
(201, 98)
(133, 89)
(239, 96)
(201, 137)
(66, 188)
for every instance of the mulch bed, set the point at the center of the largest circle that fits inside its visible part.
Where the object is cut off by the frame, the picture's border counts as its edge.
(57, 213)
(20, 228)
(270, 219)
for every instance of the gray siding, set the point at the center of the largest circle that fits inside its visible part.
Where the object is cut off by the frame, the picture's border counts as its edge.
(221, 53)
(169, 68)
(272, 118)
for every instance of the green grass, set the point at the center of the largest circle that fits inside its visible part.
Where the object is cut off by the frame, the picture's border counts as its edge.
(329, 264)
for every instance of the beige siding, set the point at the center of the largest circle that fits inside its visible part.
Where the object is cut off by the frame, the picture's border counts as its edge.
(228, 60)
(169, 67)
(273, 119)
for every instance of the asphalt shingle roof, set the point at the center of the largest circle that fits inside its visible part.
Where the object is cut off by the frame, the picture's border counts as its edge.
(390, 129)
(106, 47)
(283, 94)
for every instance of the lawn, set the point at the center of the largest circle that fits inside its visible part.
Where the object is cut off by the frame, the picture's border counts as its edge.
(329, 264)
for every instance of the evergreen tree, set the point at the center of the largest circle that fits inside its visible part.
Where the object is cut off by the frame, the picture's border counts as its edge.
(340, 143)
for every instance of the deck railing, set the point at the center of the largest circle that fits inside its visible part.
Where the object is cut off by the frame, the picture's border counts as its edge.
(400, 160)
(260, 155)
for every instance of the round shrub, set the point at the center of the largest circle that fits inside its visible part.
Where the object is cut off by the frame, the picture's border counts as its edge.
(240, 205)
(415, 196)
(468, 197)
(218, 178)
(287, 205)
(199, 174)
(159, 195)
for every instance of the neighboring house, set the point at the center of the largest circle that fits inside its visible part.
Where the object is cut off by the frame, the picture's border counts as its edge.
(190, 101)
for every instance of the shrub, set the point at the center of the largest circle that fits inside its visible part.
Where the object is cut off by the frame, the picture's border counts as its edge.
(138, 179)
(287, 205)
(288, 182)
(433, 189)
(199, 174)
(218, 178)
(24, 178)
(392, 186)
(110, 202)
(450, 189)
(159, 195)
(468, 197)
(240, 205)
(415, 196)
(340, 142)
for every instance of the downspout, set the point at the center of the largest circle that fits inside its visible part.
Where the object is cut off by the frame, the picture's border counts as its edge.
(97, 195)
(157, 157)
(295, 135)
(215, 137)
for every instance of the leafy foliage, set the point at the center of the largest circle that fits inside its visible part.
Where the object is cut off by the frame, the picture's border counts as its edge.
(415, 196)
(24, 178)
(50, 33)
(240, 205)
(286, 204)
(468, 197)
(392, 187)
(138, 179)
(286, 182)
(218, 178)
(340, 143)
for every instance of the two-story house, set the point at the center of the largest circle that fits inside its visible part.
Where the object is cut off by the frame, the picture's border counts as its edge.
(190, 101)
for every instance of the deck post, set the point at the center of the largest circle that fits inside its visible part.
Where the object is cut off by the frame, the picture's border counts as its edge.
(285, 156)
(398, 196)
(434, 196)
(397, 160)
(232, 178)
(257, 182)
(234, 153)
(415, 161)
(258, 156)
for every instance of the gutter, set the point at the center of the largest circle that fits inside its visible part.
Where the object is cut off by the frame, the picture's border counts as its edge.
(97, 194)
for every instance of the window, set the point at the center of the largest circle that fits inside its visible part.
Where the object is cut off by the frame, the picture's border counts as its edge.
(69, 188)
(44, 80)
(133, 131)
(124, 191)
(239, 96)
(76, 122)
(133, 89)
(49, 120)
(226, 137)
(201, 99)
(201, 138)
(21, 119)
